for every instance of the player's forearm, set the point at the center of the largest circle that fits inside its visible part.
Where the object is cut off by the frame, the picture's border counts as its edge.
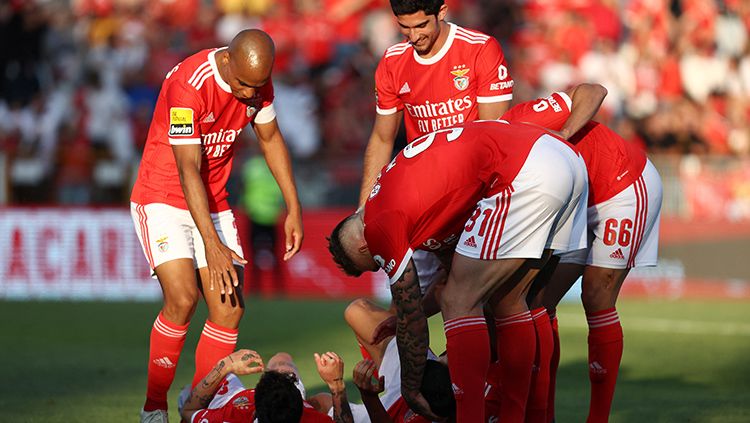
(412, 333)
(377, 154)
(342, 413)
(375, 409)
(202, 394)
(586, 100)
(197, 202)
(278, 160)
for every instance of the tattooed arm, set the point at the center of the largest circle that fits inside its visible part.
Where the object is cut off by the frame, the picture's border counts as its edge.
(331, 370)
(412, 337)
(242, 362)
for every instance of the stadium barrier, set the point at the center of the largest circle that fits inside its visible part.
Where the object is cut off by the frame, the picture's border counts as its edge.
(94, 254)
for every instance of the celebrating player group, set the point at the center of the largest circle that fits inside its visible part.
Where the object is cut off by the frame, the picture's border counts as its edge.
(488, 216)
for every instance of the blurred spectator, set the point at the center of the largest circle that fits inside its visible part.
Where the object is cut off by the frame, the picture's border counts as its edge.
(678, 75)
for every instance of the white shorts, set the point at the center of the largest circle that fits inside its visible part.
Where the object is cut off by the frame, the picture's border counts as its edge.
(624, 230)
(167, 233)
(544, 208)
(390, 369)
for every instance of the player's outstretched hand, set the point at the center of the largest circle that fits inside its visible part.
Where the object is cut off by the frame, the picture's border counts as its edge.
(330, 368)
(418, 404)
(294, 234)
(363, 378)
(221, 268)
(245, 362)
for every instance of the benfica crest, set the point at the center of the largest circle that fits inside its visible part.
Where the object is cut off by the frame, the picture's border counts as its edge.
(460, 80)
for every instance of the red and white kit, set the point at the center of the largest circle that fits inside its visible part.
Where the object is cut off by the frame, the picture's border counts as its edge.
(444, 90)
(232, 403)
(625, 190)
(195, 106)
(413, 207)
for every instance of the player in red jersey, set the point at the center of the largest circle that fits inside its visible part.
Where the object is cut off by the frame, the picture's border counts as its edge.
(527, 193)
(625, 194)
(440, 76)
(382, 361)
(220, 397)
(179, 201)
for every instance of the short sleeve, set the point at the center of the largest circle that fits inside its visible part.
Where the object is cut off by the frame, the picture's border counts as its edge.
(387, 240)
(183, 108)
(386, 96)
(267, 113)
(494, 81)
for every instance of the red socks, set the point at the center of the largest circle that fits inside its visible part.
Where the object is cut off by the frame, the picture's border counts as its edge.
(469, 357)
(554, 363)
(165, 346)
(605, 353)
(516, 348)
(215, 343)
(536, 408)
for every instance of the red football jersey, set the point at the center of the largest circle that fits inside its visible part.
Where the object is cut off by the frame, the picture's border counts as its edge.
(195, 106)
(415, 206)
(241, 409)
(444, 90)
(613, 164)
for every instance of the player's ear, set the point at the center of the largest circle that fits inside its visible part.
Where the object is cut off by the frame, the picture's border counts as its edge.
(442, 12)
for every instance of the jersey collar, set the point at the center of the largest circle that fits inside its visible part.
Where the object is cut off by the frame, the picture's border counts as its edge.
(220, 82)
(443, 50)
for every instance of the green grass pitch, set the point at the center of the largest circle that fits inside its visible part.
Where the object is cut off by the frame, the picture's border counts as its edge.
(86, 362)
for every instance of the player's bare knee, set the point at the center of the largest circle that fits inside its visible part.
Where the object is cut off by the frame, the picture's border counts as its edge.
(180, 306)
(599, 289)
(354, 310)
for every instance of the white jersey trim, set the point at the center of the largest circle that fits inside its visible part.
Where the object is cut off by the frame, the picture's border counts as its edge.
(567, 99)
(390, 111)
(402, 266)
(220, 82)
(495, 99)
(266, 114)
(184, 141)
(443, 50)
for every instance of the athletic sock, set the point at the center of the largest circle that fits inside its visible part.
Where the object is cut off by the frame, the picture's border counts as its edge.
(605, 353)
(536, 408)
(516, 347)
(553, 365)
(469, 357)
(165, 345)
(215, 343)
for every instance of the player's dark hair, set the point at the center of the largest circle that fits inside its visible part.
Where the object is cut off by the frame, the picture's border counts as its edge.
(340, 256)
(408, 7)
(277, 400)
(437, 389)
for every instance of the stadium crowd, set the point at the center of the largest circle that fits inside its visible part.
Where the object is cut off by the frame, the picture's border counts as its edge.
(79, 78)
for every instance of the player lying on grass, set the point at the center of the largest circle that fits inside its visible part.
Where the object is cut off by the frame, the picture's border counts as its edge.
(625, 194)
(496, 182)
(277, 398)
(381, 369)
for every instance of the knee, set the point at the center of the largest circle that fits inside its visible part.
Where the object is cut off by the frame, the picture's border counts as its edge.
(599, 292)
(354, 310)
(180, 307)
